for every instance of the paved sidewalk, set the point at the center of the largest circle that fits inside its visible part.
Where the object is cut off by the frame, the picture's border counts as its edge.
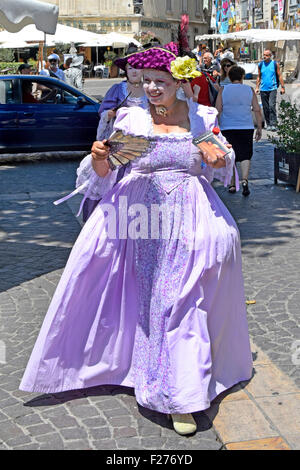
(36, 238)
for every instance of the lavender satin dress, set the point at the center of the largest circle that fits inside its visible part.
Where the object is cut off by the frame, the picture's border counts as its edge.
(162, 314)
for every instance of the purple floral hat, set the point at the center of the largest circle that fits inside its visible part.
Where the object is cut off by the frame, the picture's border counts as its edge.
(156, 57)
(121, 62)
(166, 59)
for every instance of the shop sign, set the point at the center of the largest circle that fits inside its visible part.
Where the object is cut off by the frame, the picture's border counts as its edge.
(155, 24)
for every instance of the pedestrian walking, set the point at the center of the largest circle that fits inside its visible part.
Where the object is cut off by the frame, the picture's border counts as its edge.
(25, 69)
(162, 313)
(66, 64)
(73, 74)
(53, 70)
(209, 65)
(197, 51)
(234, 104)
(219, 52)
(268, 80)
(226, 64)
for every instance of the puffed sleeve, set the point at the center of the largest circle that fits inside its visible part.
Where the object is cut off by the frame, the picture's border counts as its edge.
(204, 119)
(111, 99)
(90, 184)
(134, 120)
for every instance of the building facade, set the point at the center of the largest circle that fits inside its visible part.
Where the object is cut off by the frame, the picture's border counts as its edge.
(237, 15)
(159, 18)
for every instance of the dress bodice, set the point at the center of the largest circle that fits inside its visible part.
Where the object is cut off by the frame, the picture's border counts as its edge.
(170, 159)
(167, 153)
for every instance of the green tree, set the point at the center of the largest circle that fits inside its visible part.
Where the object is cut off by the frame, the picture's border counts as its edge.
(7, 55)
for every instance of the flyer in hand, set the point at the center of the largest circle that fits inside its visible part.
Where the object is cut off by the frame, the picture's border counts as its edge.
(211, 144)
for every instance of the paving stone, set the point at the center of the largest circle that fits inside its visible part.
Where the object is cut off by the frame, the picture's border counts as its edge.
(130, 443)
(78, 445)
(105, 444)
(17, 441)
(8, 430)
(116, 412)
(85, 411)
(153, 442)
(73, 433)
(95, 422)
(28, 420)
(100, 433)
(119, 421)
(124, 432)
(39, 429)
(64, 421)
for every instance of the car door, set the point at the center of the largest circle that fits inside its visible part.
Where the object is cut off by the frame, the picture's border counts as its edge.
(9, 106)
(60, 122)
(83, 118)
(41, 125)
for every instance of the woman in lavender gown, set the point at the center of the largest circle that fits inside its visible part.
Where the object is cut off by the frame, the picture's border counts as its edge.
(158, 309)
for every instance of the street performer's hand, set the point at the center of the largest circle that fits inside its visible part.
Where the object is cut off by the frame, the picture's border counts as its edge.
(218, 161)
(99, 153)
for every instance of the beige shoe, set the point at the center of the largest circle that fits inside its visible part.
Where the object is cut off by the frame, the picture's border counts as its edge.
(184, 423)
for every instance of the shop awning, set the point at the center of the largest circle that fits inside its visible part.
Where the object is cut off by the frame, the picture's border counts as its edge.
(254, 35)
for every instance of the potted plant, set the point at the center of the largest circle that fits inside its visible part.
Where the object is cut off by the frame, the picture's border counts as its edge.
(287, 145)
(109, 57)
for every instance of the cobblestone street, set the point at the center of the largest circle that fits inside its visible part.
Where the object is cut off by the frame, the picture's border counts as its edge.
(35, 241)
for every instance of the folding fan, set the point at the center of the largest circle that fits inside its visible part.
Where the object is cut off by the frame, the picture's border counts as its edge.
(125, 148)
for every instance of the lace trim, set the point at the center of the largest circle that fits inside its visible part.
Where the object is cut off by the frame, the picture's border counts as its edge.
(90, 184)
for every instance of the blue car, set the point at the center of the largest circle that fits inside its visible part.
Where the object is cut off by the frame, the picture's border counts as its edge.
(39, 113)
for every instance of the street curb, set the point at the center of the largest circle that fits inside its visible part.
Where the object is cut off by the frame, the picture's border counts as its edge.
(261, 414)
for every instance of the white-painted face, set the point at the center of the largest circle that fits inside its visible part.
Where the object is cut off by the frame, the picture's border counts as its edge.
(134, 75)
(160, 87)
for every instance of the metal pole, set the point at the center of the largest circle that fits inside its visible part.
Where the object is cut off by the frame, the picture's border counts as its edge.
(45, 49)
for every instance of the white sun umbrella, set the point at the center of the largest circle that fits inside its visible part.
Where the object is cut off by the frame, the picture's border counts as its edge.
(15, 14)
(120, 40)
(112, 40)
(64, 34)
(15, 45)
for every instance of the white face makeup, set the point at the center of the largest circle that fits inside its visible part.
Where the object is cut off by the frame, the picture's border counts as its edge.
(134, 75)
(160, 87)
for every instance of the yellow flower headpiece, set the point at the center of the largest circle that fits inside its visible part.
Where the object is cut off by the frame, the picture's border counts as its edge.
(184, 68)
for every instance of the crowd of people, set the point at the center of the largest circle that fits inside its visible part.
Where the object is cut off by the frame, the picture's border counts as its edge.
(70, 72)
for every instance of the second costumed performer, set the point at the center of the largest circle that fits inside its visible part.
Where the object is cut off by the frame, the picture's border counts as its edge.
(162, 314)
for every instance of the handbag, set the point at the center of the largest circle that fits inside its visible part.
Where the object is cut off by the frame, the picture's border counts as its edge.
(213, 93)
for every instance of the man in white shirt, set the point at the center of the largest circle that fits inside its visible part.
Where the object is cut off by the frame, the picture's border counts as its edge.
(53, 70)
(74, 73)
